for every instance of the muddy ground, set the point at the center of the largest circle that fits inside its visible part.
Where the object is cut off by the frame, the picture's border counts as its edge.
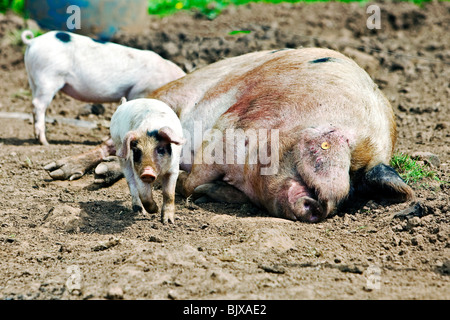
(70, 240)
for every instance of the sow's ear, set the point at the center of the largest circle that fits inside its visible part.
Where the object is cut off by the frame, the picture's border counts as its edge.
(167, 134)
(124, 151)
(384, 182)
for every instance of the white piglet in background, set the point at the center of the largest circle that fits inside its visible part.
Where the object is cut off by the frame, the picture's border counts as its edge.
(148, 137)
(90, 71)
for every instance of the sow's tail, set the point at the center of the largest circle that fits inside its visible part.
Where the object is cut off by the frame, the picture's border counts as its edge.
(27, 36)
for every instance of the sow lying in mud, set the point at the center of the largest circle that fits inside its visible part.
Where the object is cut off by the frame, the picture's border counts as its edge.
(335, 132)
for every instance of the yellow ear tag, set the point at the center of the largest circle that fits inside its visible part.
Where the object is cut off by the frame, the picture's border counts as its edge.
(325, 145)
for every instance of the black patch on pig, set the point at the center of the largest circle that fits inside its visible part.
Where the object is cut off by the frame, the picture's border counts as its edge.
(165, 147)
(137, 155)
(321, 60)
(274, 51)
(154, 134)
(63, 36)
(100, 41)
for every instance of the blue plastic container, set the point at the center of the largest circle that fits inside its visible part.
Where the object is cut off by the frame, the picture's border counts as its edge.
(98, 18)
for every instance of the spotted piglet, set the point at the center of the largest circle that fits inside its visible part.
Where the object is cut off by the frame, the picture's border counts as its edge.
(148, 137)
(90, 71)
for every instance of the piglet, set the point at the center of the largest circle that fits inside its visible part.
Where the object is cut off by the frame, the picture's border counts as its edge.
(90, 71)
(148, 137)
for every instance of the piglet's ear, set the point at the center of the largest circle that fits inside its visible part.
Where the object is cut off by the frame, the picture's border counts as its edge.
(167, 134)
(124, 151)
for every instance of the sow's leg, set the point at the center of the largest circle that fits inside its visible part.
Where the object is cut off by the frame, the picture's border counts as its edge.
(74, 167)
(383, 182)
(204, 179)
(221, 192)
(108, 172)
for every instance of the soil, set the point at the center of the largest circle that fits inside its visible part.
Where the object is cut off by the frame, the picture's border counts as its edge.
(71, 240)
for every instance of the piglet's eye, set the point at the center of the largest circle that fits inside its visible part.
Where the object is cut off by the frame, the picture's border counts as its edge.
(161, 150)
(137, 154)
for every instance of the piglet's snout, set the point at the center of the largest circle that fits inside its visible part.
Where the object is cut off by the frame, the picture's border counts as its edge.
(148, 175)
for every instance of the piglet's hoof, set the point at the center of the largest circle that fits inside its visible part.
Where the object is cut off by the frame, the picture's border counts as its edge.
(168, 216)
(150, 207)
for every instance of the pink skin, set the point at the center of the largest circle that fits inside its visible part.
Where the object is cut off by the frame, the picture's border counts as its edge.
(148, 175)
(142, 172)
(295, 202)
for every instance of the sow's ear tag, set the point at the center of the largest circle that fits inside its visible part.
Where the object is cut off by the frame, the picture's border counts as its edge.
(325, 145)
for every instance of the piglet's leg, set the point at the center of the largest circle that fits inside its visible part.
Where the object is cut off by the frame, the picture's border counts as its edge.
(132, 185)
(39, 107)
(145, 193)
(168, 189)
(74, 167)
(42, 97)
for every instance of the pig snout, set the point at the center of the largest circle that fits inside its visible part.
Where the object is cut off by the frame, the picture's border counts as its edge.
(148, 175)
(309, 210)
(298, 202)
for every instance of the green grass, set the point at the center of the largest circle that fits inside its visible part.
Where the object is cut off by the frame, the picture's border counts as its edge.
(18, 6)
(410, 170)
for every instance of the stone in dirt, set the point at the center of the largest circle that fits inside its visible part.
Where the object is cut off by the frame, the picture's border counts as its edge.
(106, 245)
(65, 217)
(428, 157)
(417, 209)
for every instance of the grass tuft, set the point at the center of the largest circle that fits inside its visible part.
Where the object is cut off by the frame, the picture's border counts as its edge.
(18, 6)
(410, 170)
